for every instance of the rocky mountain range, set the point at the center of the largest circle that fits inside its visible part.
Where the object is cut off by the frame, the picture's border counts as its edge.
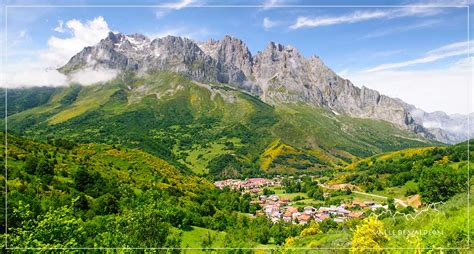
(446, 128)
(278, 75)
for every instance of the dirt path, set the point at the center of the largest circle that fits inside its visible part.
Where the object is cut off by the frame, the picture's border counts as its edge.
(398, 201)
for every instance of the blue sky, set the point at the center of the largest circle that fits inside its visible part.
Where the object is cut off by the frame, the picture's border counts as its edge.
(418, 54)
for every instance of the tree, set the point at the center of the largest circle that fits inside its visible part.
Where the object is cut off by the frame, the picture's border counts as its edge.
(441, 182)
(106, 204)
(316, 193)
(327, 225)
(140, 227)
(311, 230)
(225, 165)
(207, 240)
(261, 228)
(44, 167)
(30, 164)
(56, 228)
(391, 204)
(81, 202)
(82, 179)
(408, 210)
(207, 208)
(369, 236)
(267, 191)
(277, 231)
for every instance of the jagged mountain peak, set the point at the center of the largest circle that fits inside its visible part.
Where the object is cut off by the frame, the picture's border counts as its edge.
(231, 38)
(117, 36)
(113, 37)
(278, 74)
(273, 46)
(138, 36)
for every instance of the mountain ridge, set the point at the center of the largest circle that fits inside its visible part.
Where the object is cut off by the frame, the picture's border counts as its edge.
(278, 74)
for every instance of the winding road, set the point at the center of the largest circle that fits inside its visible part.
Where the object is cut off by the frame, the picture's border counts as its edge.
(398, 201)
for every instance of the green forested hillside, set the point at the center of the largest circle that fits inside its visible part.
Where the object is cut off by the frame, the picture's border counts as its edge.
(65, 195)
(436, 179)
(436, 173)
(204, 127)
(62, 194)
(445, 228)
(23, 99)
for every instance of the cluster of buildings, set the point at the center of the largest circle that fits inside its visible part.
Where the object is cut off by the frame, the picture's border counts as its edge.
(253, 185)
(277, 209)
(281, 209)
(367, 204)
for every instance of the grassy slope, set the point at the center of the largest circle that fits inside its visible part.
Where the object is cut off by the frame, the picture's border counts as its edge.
(194, 238)
(127, 173)
(131, 167)
(396, 155)
(191, 124)
(22, 99)
(409, 233)
(360, 137)
(405, 164)
(134, 179)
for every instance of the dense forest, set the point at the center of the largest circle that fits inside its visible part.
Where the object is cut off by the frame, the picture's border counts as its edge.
(436, 173)
(61, 194)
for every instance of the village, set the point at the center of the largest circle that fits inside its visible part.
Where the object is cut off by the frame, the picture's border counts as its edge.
(250, 185)
(278, 208)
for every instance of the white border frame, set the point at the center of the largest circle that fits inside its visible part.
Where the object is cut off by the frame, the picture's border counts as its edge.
(5, 64)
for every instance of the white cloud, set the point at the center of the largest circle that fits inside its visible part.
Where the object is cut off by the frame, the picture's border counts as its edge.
(326, 21)
(31, 73)
(447, 2)
(181, 4)
(60, 28)
(359, 16)
(162, 11)
(41, 70)
(20, 37)
(83, 34)
(22, 34)
(268, 23)
(89, 76)
(268, 4)
(454, 49)
(448, 89)
(399, 29)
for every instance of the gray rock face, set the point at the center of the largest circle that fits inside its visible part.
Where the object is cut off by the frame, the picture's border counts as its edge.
(446, 128)
(278, 74)
(287, 76)
(101, 55)
(180, 55)
(230, 51)
(233, 55)
(137, 53)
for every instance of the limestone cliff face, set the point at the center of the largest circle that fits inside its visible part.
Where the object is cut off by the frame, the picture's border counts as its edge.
(287, 76)
(138, 53)
(233, 55)
(278, 74)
